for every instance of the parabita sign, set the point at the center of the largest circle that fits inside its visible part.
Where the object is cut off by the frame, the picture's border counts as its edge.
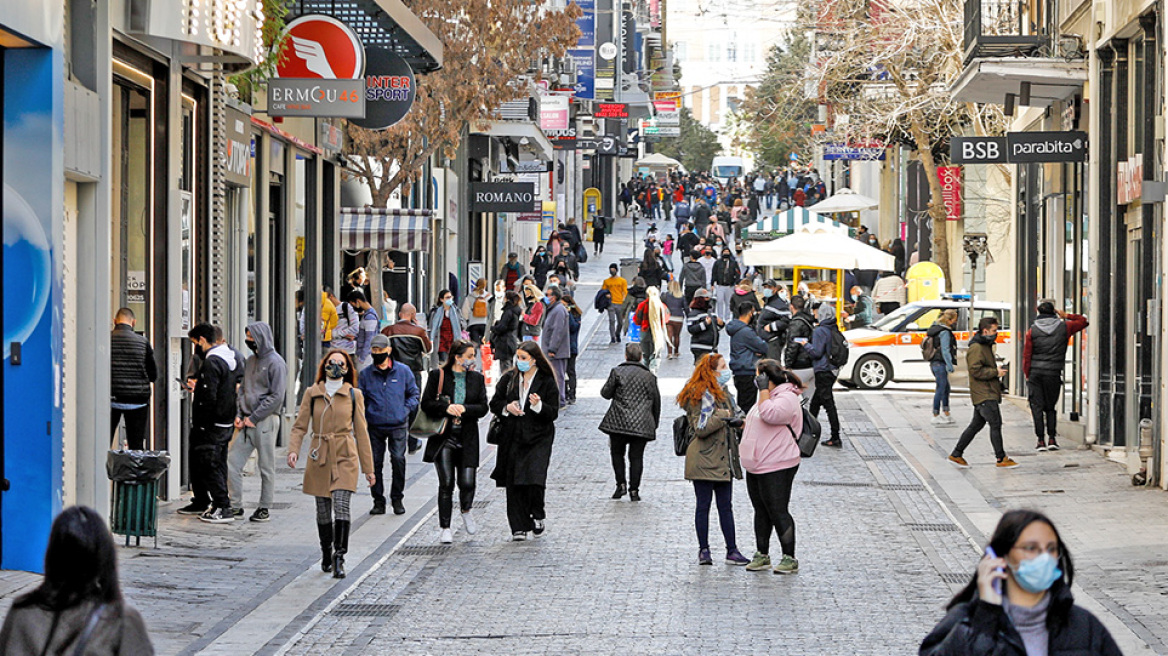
(503, 197)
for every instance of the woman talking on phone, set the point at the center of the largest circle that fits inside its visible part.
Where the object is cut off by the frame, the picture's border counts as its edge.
(527, 402)
(1019, 601)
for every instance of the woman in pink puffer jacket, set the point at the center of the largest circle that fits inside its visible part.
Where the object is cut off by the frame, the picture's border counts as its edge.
(770, 454)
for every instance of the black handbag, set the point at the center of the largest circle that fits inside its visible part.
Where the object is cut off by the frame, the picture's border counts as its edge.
(425, 426)
(682, 435)
(495, 430)
(809, 438)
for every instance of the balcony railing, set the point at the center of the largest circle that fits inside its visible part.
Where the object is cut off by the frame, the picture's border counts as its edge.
(1004, 28)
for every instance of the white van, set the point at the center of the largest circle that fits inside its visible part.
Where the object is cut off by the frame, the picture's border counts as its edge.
(724, 168)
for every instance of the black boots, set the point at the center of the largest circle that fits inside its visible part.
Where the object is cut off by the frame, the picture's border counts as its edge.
(621, 490)
(340, 548)
(634, 495)
(325, 531)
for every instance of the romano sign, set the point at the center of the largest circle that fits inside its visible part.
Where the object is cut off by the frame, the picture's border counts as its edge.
(503, 197)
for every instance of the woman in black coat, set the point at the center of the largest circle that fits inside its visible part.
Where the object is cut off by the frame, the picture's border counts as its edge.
(527, 401)
(455, 453)
(505, 332)
(1019, 601)
(632, 418)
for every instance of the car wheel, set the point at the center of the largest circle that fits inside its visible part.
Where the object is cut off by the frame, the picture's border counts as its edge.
(872, 372)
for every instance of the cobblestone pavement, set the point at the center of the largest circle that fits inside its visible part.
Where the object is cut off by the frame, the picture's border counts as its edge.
(887, 532)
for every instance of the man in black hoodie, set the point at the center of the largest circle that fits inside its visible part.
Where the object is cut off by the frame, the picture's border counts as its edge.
(213, 412)
(774, 317)
(795, 356)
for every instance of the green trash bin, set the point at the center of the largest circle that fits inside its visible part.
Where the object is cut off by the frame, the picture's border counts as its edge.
(134, 503)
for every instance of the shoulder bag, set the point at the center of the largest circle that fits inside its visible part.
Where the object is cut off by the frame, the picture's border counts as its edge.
(682, 435)
(495, 430)
(425, 426)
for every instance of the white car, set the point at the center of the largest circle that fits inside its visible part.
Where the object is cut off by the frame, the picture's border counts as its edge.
(890, 349)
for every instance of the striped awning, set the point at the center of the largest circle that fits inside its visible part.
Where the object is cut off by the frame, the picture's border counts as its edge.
(385, 229)
(797, 219)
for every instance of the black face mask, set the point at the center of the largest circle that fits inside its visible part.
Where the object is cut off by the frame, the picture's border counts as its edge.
(379, 358)
(200, 351)
(251, 344)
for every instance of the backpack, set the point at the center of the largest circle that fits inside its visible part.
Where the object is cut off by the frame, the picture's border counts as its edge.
(929, 347)
(479, 309)
(809, 438)
(838, 355)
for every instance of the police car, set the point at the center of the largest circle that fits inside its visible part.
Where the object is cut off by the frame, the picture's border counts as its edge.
(890, 349)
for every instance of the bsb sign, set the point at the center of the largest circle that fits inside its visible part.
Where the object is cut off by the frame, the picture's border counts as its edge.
(1020, 148)
(503, 197)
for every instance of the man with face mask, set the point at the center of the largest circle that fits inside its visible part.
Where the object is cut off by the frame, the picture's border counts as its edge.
(257, 424)
(774, 317)
(863, 309)
(541, 263)
(726, 276)
(391, 394)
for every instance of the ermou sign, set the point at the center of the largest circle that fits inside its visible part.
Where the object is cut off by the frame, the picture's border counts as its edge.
(1020, 148)
(503, 197)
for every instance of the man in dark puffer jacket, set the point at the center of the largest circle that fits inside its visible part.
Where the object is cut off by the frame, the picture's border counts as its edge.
(132, 370)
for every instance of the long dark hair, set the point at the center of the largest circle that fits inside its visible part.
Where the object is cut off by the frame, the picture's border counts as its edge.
(456, 349)
(777, 374)
(1005, 536)
(81, 564)
(350, 376)
(511, 297)
(541, 362)
(573, 309)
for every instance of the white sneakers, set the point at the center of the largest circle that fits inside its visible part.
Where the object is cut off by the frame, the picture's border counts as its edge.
(469, 524)
(943, 420)
(447, 536)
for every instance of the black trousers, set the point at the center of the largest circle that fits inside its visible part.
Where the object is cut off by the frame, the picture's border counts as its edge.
(635, 446)
(986, 412)
(1044, 391)
(824, 380)
(476, 332)
(450, 468)
(136, 421)
(524, 504)
(747, 392)
(570, 384)
(208, 466)
(770, 494)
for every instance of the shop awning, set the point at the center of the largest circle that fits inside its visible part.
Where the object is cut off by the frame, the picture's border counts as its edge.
(385, 229)
(385, 23)
(538, 142)
(796, 219)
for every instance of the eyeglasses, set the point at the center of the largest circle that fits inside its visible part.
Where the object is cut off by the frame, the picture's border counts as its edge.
(1033, 550)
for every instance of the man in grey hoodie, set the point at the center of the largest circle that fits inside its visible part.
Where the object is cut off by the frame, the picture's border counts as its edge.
(257, 424)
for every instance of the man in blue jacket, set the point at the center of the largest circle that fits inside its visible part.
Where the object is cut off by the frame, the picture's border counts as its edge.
(825, 371)
(391, 394)
(746, 347)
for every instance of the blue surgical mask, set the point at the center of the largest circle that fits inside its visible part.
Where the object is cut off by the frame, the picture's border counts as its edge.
(448, 302)
(523, 365)
(784, 295)
(724, 376)
(1038, 574)
(767, 292)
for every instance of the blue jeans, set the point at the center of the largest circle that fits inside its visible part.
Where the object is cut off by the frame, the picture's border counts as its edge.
(707, 491)
(941, 395)
(395, 440)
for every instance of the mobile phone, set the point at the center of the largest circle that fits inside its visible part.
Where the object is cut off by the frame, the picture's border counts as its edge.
(997, 582)
(800, 340)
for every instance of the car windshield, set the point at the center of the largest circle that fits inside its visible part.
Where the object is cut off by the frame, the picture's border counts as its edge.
(895, 318)
(727, 171)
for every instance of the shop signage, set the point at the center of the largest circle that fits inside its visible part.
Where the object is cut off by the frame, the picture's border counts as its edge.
(1129, 180)
(611, 110)
(389, 89)
(628, 32)
(844, 152)
(332, 138)
(669, 118)
(529, 217)
(318, 46)
(585, 73)
(316, 97)
(554, 113)
(1025, 147)
(587, 23)
(977, 150)
(950, 177)
(502, 197)
(532, 166)
(665, 105)
(607, 51)
(237, 148)
(675, 96)
(607, 145)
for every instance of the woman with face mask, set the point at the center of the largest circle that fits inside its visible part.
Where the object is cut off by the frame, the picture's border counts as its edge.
(459, 393)
(1019, 601)
(711, 460)
(335, 410)
(446, 325)
(527, 403)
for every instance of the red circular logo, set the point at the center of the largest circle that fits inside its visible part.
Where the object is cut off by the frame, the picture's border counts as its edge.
(321, 47)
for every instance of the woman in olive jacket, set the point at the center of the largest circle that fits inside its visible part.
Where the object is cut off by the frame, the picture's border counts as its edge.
(632, 418)
(711, 460)
(455, 453)
(527, 402)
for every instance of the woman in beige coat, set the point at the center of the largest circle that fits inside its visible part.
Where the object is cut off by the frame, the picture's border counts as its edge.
(340, 440)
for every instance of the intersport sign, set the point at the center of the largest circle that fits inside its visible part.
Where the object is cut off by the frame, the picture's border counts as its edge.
(503, 197)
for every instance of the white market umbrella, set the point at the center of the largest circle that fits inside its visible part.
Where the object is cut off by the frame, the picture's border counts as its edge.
(845, 200)
(824, 250)
(657, 159)
(796, 219)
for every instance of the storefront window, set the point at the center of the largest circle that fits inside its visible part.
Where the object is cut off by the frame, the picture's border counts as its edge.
(130, 215)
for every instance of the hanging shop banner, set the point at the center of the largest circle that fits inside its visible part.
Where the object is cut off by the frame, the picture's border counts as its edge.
(237, 147)
(316, 97)
(554, 112)
(587, 23)
(389, 89)
(837, 151)
(611, 110)
(585, 61)
(628, 35)
(606, 32)
(317, 46)
(950, 177)
(503, 197)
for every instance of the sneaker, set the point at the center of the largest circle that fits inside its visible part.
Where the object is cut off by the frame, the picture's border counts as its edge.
(236, 512)
(704, 557)
(1007, 462)
(760, 562)
(938, 421)
(539, 529)
(446, 537)
(1041, 445)
(787, 565)
(833, 442)
(735, 557)
(377, 509)
(218, 516)
(518, 536)
(958, 461)
(1052, 445)
(398, 508)
(260, 515)
(948, 418)
(192, 509)
(468, 523)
